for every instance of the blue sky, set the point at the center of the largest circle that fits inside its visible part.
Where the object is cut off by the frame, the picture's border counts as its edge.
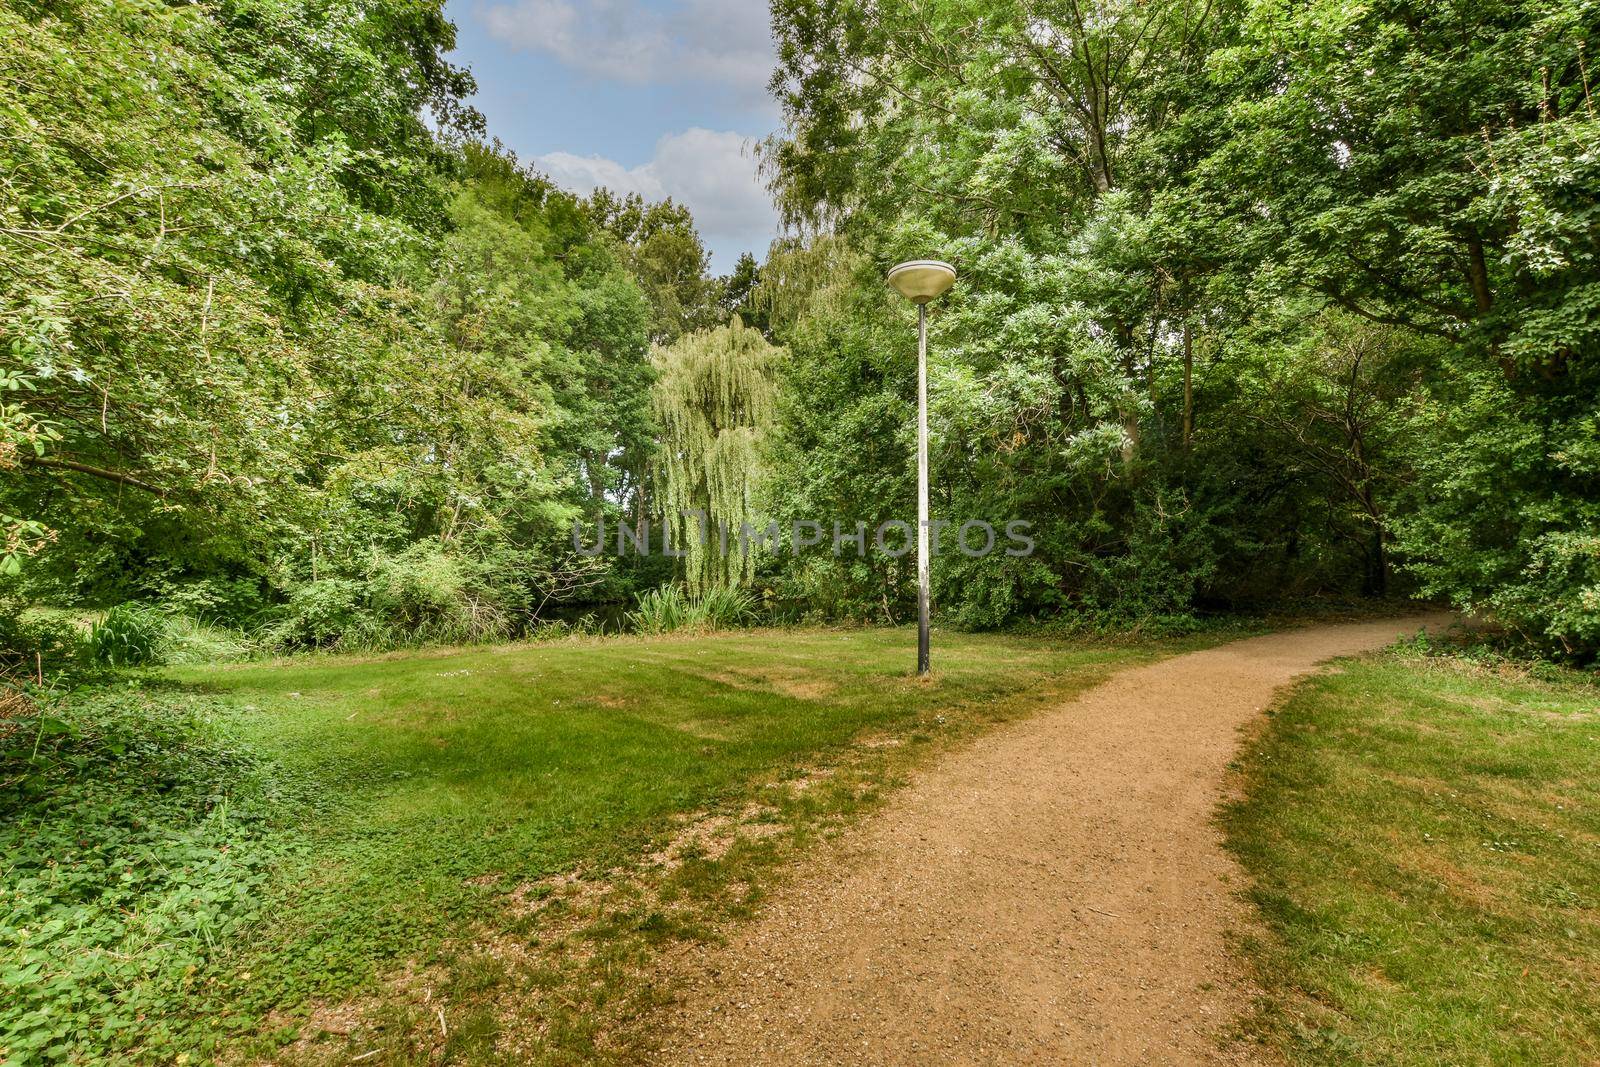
(659, 97)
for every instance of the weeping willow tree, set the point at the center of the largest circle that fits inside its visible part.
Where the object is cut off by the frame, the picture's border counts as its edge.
(802, 276)
(714, 399)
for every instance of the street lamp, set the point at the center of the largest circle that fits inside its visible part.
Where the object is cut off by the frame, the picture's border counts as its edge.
(920, 281)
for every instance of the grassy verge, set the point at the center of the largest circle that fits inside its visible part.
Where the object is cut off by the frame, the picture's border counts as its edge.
(461, 856)
(1424, 838)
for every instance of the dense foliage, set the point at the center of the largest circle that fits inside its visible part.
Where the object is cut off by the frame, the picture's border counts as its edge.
(276, 354)
(1258, 300)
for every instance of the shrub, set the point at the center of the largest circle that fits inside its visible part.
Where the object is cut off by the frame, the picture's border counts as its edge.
(213, 601)
(322, 614)
(1505, 516)
(983, 594)
(668, 608)
(423, 594)
(130, 635)
(660, 611)
(31, 641)
(426, 594)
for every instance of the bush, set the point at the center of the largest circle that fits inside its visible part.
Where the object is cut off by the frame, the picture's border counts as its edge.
(130, 635)
(668, 608)
(1166, 556)
(425, 594)
(31, 641)
(421, 595)
(1084, 622)
(1505, 520)
(322, 614)
(212, 601)
(983, 594)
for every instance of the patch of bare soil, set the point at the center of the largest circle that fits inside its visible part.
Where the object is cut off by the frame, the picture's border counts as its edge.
(790, 681)
(1056, 893)
(709, 837)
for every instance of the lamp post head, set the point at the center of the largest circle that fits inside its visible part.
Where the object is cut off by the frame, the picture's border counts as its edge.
(920, 280)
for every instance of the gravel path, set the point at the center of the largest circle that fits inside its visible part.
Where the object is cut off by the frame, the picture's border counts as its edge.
(1056, 893)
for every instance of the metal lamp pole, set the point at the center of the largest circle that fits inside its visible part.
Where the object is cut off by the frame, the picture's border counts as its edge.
(920, 281)
(923, 564)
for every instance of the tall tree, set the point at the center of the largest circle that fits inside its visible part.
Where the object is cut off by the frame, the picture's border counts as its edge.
(1424, 165)
(1012, 137)
(714, 399)
(1434, 167)
(266, 326)
(667, 257)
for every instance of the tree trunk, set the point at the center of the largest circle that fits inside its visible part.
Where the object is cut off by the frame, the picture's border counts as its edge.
(1188, 384)
(1378, 564)
(1128, 405)
(1478, 276)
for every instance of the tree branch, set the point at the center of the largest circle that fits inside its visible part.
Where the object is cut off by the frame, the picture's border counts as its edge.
(94, 472)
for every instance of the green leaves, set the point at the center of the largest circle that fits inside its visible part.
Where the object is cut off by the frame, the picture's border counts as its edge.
(1152, 206)
(258, 317)
(136, 842)
(714, 400)
(128, 636)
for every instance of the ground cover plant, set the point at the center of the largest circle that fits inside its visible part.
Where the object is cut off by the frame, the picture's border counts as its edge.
(138, 836)
(202, 853)
(1422, 836)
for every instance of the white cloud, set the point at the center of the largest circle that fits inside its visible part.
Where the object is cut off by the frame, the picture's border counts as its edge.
(712, 174)
(582, 174)
(727, 42)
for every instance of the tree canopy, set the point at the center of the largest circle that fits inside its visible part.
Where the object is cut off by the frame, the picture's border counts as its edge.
(1256, 297)
(1257, 300)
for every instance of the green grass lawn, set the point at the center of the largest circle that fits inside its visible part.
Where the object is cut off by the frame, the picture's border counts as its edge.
(1424, 836)
(455, 778)
(307, 827)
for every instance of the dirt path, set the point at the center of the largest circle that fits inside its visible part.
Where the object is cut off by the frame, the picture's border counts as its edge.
(1057, 893)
